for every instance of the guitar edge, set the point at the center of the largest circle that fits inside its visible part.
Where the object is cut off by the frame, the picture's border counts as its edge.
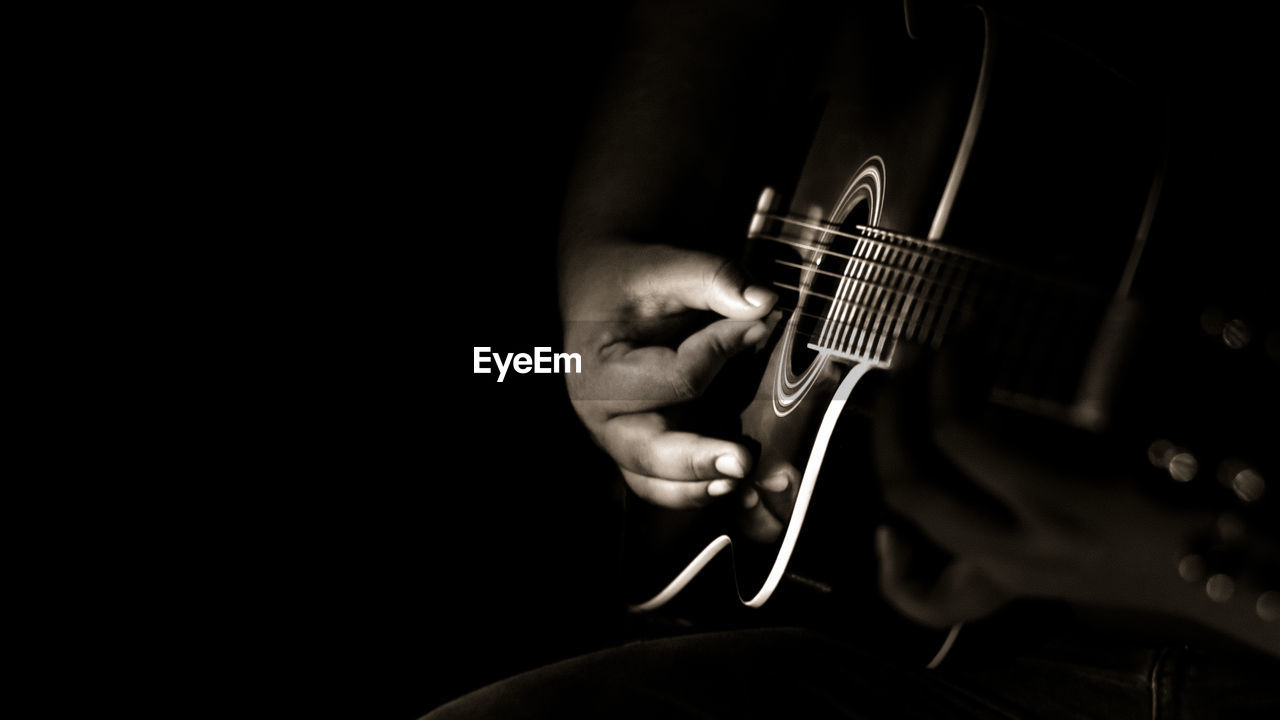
(802, 394)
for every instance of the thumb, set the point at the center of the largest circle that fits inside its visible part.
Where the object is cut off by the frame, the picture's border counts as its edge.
(703, 281)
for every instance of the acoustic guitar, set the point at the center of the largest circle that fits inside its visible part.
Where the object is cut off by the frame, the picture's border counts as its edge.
(979, 185)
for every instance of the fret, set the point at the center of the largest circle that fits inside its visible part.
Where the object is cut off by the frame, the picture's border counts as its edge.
(867, 254)
(854, 312)
(954, 293)
(876, 321)
(889, 288)
(854, 329)
(910, 301)
(872, 271)
(930, 265)
(837, 302)
(852, 268)
(887, 293)
(897, 305)
(825, 254)
(901, 241)
(908, 275)
(874, 293)
(941, 273)
(880, 330)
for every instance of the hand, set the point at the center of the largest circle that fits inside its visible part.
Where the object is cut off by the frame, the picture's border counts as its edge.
(625, 305)
(1015, 525)
(1018, 523)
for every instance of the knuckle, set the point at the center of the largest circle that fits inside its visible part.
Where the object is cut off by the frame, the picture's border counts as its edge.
(699, 465)
(655, 458)
(718, 345)
(683, 386)
(723, 273)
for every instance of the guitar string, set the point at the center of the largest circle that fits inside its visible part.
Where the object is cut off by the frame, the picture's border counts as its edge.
(816, 319)
(869, 326)
(889, 303)
(879, 236)
(941, 254)
(850, 303)
(943, 251)
(811, 316)
(884, 310)
(863, 281)
(833, 253)
(887, 314)
(938, 296)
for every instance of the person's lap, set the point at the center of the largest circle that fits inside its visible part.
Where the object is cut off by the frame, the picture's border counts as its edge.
(785, 672)
(790, 672)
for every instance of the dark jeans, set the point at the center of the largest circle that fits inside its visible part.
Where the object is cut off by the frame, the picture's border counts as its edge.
(793, 673)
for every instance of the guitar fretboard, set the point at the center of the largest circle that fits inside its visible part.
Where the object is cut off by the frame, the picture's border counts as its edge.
(863, 292)
(890, 288)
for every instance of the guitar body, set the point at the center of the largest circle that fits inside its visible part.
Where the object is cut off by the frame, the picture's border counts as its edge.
(959, 127)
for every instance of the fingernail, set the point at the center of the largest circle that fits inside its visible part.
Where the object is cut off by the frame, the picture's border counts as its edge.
(716, 488)
(750, 498)
(759, 296)
(755, 334)
(776, 482)
(729, 465)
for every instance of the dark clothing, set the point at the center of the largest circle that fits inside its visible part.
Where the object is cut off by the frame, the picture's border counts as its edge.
(794, 673)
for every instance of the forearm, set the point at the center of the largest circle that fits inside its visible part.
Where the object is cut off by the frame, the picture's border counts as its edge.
(682, 114)
(664, 124)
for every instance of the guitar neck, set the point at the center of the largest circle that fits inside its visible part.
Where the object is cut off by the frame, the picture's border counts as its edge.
(863, 292)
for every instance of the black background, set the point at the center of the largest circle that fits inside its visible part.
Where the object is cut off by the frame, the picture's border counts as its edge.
(483, 526)
(368, 529)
